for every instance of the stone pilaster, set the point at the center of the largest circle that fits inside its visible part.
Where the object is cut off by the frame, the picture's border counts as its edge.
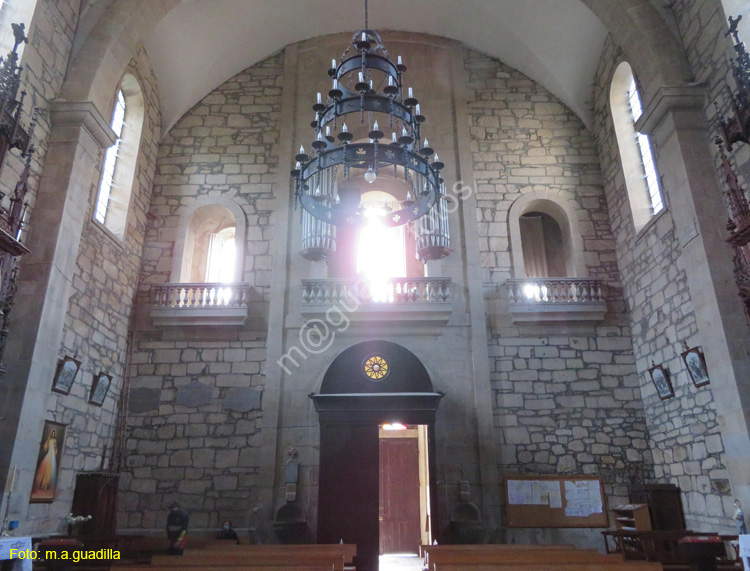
(79, 133)
(674, 118)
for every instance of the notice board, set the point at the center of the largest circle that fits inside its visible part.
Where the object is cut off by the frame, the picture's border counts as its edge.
(555, 501)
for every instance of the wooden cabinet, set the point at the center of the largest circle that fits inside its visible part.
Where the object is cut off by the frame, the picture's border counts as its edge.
(664, 504)
(632, 517)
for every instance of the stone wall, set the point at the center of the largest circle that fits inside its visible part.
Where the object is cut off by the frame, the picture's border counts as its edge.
(684, 432)
(566, 399)
(196, 392)
(98, 315)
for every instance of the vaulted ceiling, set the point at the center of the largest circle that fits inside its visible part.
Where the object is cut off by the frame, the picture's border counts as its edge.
(200, 44)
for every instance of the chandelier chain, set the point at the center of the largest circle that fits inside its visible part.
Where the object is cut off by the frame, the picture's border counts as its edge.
(367, 25)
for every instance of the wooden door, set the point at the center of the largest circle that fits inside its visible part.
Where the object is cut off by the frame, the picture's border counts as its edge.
(399, 495)
(348, 488)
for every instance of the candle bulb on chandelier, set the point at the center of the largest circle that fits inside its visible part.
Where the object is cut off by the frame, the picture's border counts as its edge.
(390, 81)
(328, 131)
(399, 60)
(297, 165)
(375, 126)
(418, 110)
(333, 64)
(361, 77)
(320, 99)
(426, 143)
(335, 83)
(301, 150)
(411, 93)
(364, 37)
(394, 136)
(344, 128)
(403, 131)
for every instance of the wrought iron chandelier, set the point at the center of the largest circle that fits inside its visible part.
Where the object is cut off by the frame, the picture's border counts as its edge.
(368, 87)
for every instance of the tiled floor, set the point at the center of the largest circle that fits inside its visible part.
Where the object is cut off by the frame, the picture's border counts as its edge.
(400, 563)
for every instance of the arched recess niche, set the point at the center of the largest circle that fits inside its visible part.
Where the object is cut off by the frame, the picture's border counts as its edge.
(206, 213)
(564, 214)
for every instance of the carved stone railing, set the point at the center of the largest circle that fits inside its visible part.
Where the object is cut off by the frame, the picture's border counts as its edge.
(556, 300)
(398, 299)
(199, 304)
(396, 290)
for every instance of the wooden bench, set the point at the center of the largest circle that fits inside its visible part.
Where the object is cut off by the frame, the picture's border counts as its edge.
(663, 547)
(232, 556)
(499, 548)
(523, 556)
(615, 566)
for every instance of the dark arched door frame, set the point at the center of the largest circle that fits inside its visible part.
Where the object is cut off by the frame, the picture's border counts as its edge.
(351, 408)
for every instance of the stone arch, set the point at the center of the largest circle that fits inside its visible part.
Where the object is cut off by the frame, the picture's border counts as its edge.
(201, 210)
(559, 208)
(103, 57)
(406, 372)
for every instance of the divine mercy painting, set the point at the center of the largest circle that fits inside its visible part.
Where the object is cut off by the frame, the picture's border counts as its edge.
(44, 487)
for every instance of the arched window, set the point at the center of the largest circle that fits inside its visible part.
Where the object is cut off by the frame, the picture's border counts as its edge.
(545, 237)
(641, 178)
(543, 246)
(209, 244)
(118, 169)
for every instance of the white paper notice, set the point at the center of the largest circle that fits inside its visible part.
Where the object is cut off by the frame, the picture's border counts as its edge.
(519, 492)
(744, 545)
(582, 498)
(555, 495)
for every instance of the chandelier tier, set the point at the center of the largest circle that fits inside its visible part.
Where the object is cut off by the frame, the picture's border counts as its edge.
(367, 88)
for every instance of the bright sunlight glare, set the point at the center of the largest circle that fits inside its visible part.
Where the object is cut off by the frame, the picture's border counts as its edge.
(380, 255)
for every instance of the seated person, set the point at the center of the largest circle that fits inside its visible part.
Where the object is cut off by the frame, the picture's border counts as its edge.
(227, 532)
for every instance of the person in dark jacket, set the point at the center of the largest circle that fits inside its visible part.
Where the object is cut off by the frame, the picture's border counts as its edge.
(227, 532)
(177, 525)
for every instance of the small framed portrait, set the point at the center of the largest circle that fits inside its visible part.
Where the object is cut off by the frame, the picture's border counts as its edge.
(695, 363)
(660, 376)
(99, 388)
(44, 486)
(67, 369)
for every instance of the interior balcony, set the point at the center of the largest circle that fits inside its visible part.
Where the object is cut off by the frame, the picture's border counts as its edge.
(199, 304)
(396, 300)
(556, 300)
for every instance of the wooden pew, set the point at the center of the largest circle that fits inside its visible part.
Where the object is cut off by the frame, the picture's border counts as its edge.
(237, 568)
(615, 566)
(498, 548)
(232, 556)
(522, 556)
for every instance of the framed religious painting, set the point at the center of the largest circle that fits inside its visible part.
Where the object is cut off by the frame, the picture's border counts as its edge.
(695, 363)
(99, 388)
(44, 486)
(660, 376)
(67, 369)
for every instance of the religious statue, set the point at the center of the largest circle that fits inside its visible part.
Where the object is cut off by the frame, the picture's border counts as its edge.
(739, 518)
(19, 35)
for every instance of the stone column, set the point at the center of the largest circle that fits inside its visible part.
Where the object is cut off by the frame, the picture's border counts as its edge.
(674, 119)
(70, 174)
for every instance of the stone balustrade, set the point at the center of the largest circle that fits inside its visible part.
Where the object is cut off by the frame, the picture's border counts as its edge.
(394, 291)
(556, 300)
(181, 304)
(397, 300)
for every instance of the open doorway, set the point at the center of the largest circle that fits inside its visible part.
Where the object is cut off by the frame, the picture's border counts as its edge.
(404, 506)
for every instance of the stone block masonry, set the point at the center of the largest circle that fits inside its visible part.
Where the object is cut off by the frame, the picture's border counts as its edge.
(683, 432)
(200, 445)
(191, 443)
